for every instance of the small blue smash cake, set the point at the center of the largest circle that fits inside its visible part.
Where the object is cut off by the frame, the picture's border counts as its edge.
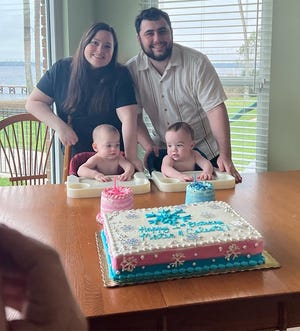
(199, 192)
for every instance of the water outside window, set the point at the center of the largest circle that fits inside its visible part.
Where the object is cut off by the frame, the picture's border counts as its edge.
(23, 56)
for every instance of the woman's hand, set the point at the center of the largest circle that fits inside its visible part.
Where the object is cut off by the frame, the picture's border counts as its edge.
(138, 164)
(66, 135)
(39, 105)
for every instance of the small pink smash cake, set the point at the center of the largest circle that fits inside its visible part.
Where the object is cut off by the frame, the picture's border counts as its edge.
(114, 199)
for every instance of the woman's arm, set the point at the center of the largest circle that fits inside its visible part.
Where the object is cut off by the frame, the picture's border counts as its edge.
(39, 105)
(143, 135)
(144, 139)
(128, 117)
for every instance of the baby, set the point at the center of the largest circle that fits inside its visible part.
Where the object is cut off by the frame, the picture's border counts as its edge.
(108, 160)
(181, 156)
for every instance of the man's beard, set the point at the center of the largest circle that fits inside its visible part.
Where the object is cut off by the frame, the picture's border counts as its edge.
(161, 57)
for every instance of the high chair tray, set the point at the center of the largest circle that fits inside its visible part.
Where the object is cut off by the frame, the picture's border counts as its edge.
(221, 180)
(80, 187)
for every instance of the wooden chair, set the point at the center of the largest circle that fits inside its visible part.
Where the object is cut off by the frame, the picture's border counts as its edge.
(25, 145)
(67, 158)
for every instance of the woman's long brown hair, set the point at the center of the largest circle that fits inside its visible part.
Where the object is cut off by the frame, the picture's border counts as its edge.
(79, 79)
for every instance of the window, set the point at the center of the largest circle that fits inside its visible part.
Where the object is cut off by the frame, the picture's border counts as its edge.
(23, 57)
(236, 37)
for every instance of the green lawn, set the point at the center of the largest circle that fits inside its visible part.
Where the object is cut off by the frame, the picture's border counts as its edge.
(243, 132)
(5, 182)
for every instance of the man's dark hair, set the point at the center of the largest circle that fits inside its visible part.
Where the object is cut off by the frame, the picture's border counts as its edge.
(151, 14)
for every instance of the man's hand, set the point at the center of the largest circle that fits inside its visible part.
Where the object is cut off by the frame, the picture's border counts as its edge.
(228, 166)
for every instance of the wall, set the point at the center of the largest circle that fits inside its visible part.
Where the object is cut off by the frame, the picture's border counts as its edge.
(77, 15)
(284, 136)
(120, 14)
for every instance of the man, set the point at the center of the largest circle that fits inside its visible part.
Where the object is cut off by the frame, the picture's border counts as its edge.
(175, 83)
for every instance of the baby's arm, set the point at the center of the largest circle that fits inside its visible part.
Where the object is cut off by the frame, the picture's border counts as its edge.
(205, 165)
(168, 170)
(89, 170)
(128, 168)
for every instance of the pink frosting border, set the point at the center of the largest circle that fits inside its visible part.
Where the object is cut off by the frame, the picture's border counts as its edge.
(247, 247)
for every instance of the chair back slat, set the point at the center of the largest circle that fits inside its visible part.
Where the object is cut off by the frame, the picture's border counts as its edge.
(26, 146)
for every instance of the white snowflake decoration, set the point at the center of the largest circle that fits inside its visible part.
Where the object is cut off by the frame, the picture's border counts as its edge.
(178, 260)
(232, 251)
(129, 264)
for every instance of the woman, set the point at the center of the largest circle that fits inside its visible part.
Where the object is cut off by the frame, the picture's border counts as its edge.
(89, 89)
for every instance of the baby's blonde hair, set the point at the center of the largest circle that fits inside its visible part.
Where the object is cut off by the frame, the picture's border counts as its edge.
(106, 128)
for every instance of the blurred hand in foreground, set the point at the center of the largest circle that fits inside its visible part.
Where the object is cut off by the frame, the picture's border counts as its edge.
(33, 281)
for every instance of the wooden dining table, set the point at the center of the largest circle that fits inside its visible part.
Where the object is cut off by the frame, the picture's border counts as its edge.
(263, 299)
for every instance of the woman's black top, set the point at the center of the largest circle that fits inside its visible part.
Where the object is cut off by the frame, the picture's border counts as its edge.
(55, 82)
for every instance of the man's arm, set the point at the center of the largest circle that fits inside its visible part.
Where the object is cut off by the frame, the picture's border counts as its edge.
(219, 123)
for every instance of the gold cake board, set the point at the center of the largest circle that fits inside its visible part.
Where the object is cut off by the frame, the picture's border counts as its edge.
(270, 262)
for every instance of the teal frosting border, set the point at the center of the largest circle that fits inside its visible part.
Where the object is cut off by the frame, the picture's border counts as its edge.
(187, 269)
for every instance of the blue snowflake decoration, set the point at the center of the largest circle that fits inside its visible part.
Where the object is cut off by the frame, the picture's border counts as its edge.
(165, 216)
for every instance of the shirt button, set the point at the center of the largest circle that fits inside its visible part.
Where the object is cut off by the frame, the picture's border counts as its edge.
(165, 109)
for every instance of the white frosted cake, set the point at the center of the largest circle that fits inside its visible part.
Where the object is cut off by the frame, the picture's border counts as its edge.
(178, 241)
